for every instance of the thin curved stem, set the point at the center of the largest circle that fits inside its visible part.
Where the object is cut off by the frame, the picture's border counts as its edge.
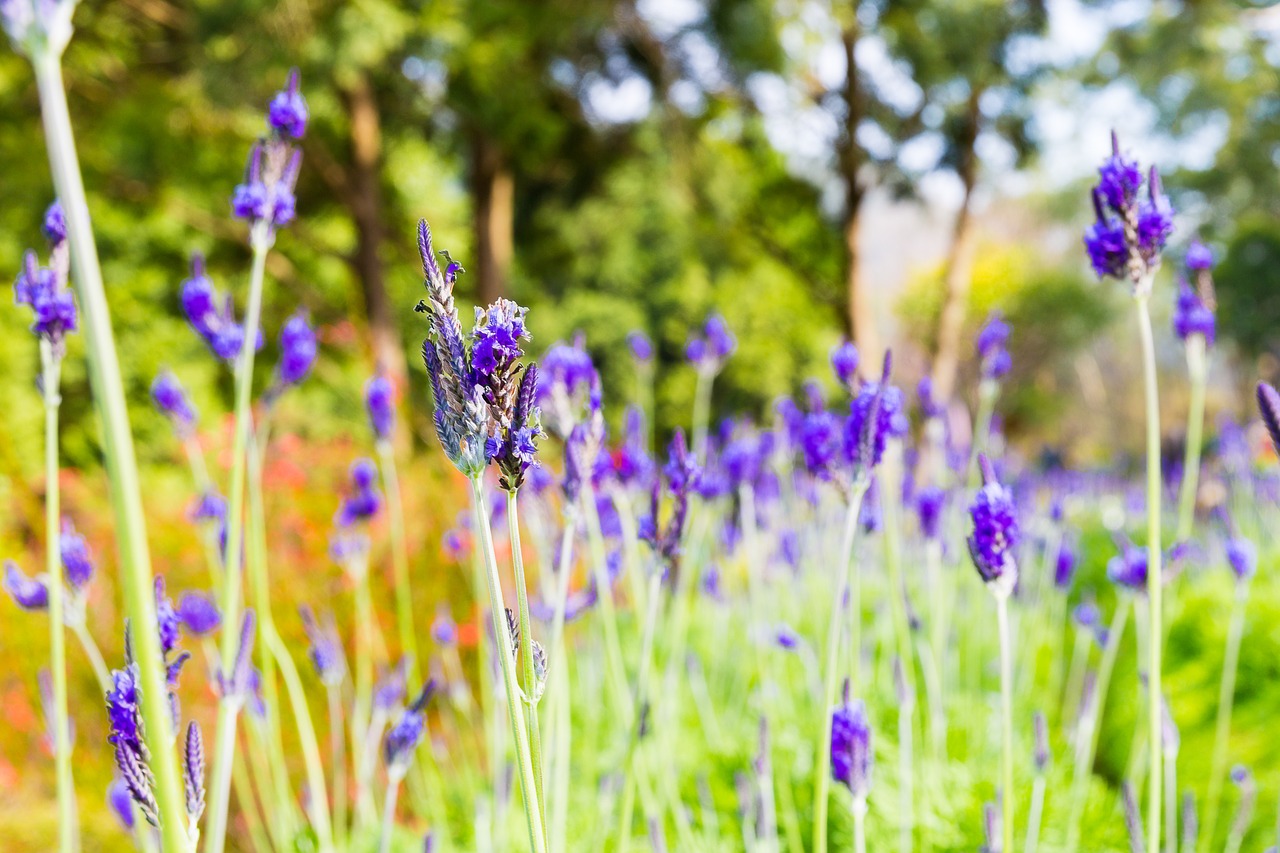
(845, 573)
(1222, 725)
(122, 466)
(400, 560)
(50, 380)
(528, 785)
(1197, 371)
(229, 706)
(526, 647)
(1006, 722)
(1155, 644)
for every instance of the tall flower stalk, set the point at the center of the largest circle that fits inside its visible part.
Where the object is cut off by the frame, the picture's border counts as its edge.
(991, 545)
(1243, 560)
(266, 201)
(44, 290)
(484, 413)
(1193, 323)
(1125, 243)
(874, 417)
(42, 36)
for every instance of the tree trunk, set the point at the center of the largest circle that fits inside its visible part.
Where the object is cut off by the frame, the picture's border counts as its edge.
(957, 272)
(860, 320)
(365, 200)
(493, 197)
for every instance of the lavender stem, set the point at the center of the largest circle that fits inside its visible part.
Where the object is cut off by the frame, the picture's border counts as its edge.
(1155, 643)
(1197, 371)
(1222, 726)
(122, 468)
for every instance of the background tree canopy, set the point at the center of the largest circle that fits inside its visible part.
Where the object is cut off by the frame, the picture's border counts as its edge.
(638, 166)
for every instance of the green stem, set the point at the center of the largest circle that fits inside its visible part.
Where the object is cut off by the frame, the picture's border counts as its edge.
(844, 576)
(94, 654)
(1197, 370)
(388, 816)
(528, 785)
(1155, 642)
(229, 706)
(400, 560)
(526, 647)
(1037, 814)
(860, 824)
(319, 804)
(701, 413)
(117, 441)
(617, 673)
(50, 381)
(988, 391)
(1222, 726)
(1092, 723)
(1006, 721)
(338, 764)
(284, 820)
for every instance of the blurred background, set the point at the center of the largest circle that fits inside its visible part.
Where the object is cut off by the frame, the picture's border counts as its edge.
(811, 170)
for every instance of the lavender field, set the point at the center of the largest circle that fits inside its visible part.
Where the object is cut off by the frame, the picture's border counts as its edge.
(449, 428)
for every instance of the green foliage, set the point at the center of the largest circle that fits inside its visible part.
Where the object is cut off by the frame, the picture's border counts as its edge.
(1054, 313)
(1247, 283)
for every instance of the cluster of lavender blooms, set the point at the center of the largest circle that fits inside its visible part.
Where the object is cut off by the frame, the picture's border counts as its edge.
(44, 289)
(485, 399)
(1132, 227)
(709, 351)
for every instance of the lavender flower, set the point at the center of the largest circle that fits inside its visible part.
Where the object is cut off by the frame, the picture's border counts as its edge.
(1130, 231)
(569, 386)
(709, 352)
(27, 593)
(379, 400)
(640, 345)
(267, 195)
(875, 416)
(1269, 408)
(851, 755)
(326, 648)
(1129, 568)
(681, 473)
(364, 500)
(287, 113)
(124, 716)
(43, 289)
(297, 350)
(212, 315)
(513, 445)
(1191, 316)
(54, 226)
(1242, 556)
(995, 532)
(235, 686)
(930, 406)
(1199, 257)
(992, 343)
(929, 504)
(76, 559)
(1064, 565)
(476, 382)
(171, 400)
(121, 803)
(389, 689)
(443, 629)
(193, 773)
(407, 733)
(844, 363)
(211, 509)
(198, 614)
(1041, 756)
